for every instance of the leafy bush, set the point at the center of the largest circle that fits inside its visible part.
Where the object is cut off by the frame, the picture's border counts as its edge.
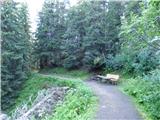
(78, 105)
(139, 37)
(146, 92)
(140, 63)
(145, 61)
(114, 63)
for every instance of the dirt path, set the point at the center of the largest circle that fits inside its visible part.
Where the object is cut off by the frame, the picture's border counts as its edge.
(113, 104)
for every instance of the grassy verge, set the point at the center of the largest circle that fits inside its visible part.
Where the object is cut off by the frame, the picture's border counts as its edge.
(76, 74)
(145, 93)
(78, 104)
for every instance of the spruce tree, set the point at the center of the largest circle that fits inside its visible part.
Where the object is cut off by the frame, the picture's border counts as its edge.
(50, 32)
(83, 35)
(15, 50)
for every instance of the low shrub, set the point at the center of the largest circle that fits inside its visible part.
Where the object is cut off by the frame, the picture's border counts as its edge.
(145, 61)
(146, 91)
(79, 104)
(114, 63)
(137, 63)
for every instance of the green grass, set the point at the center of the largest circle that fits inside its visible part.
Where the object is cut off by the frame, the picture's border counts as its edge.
(77, 74)
(78, 103)
(145, 94)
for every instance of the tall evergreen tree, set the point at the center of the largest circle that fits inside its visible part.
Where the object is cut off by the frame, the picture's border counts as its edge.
(115, 11)
(92, 33)
(15, 50)
(50, 32)
(74, 35)
(83, 35)
(95, 39)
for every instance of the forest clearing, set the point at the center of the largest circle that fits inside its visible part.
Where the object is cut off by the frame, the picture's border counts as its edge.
(91, 60)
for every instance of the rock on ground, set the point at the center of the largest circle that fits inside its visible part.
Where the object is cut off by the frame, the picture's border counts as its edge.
(43, 105)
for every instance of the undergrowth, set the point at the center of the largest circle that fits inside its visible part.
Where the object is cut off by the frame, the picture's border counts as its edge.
(78, 104)
(146, 92)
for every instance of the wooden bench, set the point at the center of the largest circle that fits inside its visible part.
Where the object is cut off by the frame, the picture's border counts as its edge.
(109, 78)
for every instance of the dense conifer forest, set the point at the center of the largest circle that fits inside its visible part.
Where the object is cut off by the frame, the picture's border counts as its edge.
(77, 42)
